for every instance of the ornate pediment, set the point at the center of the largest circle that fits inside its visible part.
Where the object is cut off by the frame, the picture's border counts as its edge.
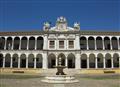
(61, 26)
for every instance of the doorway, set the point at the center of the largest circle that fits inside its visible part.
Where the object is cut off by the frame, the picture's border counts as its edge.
(83, 63)
(108, 63)
(23, 63)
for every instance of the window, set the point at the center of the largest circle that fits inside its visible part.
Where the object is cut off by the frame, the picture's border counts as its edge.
(52, 44)
(71, 44)
(61, 44)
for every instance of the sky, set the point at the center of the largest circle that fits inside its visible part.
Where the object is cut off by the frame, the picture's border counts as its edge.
(29, 15)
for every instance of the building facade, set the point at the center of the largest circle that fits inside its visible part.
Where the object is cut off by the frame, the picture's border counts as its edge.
(78, 49)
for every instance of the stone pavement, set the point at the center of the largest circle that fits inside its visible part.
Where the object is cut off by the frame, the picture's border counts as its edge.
(83, 82)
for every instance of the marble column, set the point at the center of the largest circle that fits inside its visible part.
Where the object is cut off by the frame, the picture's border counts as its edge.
(18, 62)
(34, 63)
(3, 62)
(20, 45)
(104, 62)
(27, 44)
(103, 43)
(112, 65)
(66, 62)
(45, 61)
(26, 62)
(95, 45)
(77, 61)
(56, 62)
(96, 63)
(11, 62)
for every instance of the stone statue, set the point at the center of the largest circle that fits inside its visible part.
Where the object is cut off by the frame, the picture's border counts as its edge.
(77, 26)
(46, 26)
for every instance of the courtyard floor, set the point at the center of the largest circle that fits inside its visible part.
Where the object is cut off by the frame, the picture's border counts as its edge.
(18, 80)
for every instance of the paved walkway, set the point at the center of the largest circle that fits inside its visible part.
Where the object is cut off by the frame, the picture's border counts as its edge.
(83, 82)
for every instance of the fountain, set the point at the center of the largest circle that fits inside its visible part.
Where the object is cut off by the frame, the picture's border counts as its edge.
(60, 76)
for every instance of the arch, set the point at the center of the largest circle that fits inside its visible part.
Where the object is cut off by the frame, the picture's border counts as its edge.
(1, 60)
(108, 60)
(16, 43)
(24, 43)
(114, 43)
(39, 61)
(62, 57)
(83, 43)
(71, 60)
(31, 43)
(40, 43)
(107, 43)
(9, 43)
(99, 43)
(15, 60)
(2, 43)
(91, 43)
(116, 60)
(7, 60)
(30, 61)
(92, 61)
(23, 61)
(83, 61)
(51, 60)
(100, 60)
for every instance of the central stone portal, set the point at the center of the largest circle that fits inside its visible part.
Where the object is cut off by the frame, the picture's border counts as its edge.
(60, 67)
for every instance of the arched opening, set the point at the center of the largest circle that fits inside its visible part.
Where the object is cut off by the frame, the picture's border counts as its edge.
(63, 58)
(9, 43)
(16, 43)
(114, 43)
(83, 61)
(24, 43)
(2, 43)
(39, 43)
(31, 43)
(15, 60)
(91, 43)
(7, 60)
(99, 43)
(1, 60)
(108, 60)
(83, 43)
(116, 60)
(30, 61)
(92, 61)
(71, 61)
(107, 43)
(23, 61)
(39, 61)
(100, 60)
(51, 61)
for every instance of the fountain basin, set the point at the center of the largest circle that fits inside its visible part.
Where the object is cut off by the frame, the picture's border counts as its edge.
(59, 79)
